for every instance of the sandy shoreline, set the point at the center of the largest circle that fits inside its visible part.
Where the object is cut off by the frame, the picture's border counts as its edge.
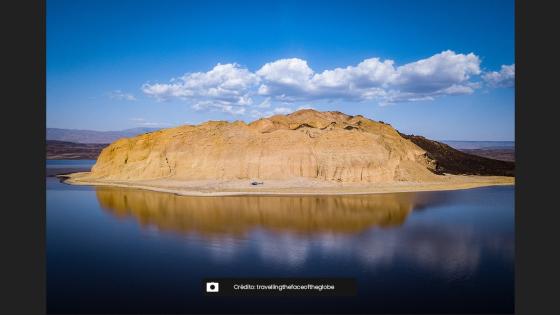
(293, 187)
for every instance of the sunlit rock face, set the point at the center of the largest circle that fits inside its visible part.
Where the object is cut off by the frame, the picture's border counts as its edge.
(327, 146)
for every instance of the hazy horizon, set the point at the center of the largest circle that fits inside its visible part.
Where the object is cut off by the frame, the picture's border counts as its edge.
(158, 128)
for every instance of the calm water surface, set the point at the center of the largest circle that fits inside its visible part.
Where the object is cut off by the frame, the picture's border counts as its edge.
(114, 250)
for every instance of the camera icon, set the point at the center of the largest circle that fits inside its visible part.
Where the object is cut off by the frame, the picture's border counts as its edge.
(212, 287)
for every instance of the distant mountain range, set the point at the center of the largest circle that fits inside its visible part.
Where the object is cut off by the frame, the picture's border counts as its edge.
(498, 150)
(92, 136)
(63, 150)
(472, 145)
(69, 144)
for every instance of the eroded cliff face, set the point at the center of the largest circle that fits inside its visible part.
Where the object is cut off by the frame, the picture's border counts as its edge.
(328, 146)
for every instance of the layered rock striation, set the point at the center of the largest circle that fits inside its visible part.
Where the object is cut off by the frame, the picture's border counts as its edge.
(327, 146)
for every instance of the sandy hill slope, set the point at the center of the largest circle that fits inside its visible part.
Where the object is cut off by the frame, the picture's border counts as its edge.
(307, 144)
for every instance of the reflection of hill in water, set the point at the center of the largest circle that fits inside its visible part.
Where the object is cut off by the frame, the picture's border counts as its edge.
(239, 214)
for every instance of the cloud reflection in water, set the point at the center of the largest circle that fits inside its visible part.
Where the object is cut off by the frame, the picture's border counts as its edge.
(287, 230)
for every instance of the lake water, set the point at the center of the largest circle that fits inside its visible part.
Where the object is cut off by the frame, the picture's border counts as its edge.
(115, 250)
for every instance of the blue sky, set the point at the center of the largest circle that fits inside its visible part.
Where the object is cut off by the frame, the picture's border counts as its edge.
(442, 69)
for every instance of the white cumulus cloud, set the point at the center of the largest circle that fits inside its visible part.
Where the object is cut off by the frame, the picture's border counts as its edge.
(446, 73)
(232, 88)
(443, 73)
(503, 78)
(225, 86)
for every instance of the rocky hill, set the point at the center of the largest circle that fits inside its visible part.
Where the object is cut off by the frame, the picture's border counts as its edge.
(328, 146)
(324, 147)
(452, 161)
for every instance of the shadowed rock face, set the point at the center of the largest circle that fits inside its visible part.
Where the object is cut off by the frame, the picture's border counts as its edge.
(452, 161)
(240, 214)
(309, 144)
